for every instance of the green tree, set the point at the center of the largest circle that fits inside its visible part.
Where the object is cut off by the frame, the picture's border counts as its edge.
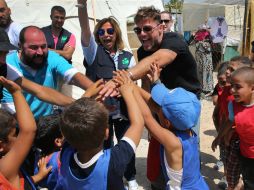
(176, 5)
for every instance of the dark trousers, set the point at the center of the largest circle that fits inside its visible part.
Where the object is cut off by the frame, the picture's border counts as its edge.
(247, 165)
(120, 126)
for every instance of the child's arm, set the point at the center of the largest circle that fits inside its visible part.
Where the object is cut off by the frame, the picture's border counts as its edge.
(11, 162)
(171, 143)
(136, 120)
(43, 170)
(94, 89)
(224, 129)
(215, 117)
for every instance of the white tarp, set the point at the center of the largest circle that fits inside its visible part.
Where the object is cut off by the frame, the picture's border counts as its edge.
(37, 12)
(195, 14)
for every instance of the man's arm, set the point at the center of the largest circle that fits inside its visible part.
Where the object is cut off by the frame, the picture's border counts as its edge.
(161, 57)
(84, 23)
(68, 49)
(44, 93)
(81, 81)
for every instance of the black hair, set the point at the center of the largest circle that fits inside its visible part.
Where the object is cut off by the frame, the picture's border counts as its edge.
(84, 123)
(48, 130)
(242, 59)
(149, 12)
(58, 9)
(7, 123)
(222, 68)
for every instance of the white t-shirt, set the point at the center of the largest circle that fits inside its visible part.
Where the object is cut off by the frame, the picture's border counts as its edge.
(13, 32)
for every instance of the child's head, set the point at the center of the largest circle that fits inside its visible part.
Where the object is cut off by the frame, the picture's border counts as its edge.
(8, 131)
(49, 137)
(237, 62)
(221, 76)
(242, 85)
(180, 107)
(84, 124)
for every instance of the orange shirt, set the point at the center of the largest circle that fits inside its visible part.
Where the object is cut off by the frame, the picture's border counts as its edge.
(6, 185)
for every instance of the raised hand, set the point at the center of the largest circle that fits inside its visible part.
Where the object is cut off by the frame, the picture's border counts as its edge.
(123, 81)
(11, 86)
(94, 89)
(43, 170)
(215, 143)
(109, 90)
(154, 73)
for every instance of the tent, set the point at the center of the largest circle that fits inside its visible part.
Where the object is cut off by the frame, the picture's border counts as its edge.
(37, 12)
(196, 13)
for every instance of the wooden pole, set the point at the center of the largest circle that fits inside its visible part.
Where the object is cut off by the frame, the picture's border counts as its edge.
(245, 25)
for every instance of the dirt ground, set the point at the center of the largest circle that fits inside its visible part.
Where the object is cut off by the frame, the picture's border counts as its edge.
(208, 157)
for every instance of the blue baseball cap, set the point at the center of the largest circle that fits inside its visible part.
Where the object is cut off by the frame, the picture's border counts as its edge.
(179, 106)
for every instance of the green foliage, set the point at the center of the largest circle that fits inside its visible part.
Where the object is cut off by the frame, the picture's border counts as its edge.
(174, 5)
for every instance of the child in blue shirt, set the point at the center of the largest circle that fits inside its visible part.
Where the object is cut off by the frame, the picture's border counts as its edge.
(84, 124)
(178, 111)
(48, 142)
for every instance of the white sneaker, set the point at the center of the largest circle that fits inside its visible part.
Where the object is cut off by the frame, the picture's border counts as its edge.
(133, 185)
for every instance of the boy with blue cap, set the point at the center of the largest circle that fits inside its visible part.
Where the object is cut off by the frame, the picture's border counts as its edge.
(178, 111)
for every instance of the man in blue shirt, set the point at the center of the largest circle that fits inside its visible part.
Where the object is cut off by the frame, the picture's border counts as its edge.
(11, 73)
(41, 66)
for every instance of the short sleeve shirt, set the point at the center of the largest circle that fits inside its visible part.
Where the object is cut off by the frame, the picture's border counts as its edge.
(47, 76)
(13, 32)
(182, 72)
(121, 155)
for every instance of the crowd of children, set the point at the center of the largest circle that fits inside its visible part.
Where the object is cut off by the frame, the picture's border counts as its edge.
(235, 137)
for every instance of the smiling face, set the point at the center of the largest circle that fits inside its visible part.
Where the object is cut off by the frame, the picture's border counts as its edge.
(232, 66)
(5, 12)
(222, 80)
(107, 39)
(58, 19)
(34, 51)
(241, 90)
(150, 40)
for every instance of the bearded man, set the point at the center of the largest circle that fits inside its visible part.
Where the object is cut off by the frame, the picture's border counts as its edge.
(41, 66)
(11, 28)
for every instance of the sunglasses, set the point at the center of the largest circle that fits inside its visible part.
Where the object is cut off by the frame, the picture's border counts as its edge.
(145, 29)
(165, 21)
(101, 32)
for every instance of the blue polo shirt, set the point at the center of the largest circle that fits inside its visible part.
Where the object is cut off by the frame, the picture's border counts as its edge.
(56, 66)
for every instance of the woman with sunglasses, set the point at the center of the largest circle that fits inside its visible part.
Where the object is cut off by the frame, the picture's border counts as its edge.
(104, 53)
